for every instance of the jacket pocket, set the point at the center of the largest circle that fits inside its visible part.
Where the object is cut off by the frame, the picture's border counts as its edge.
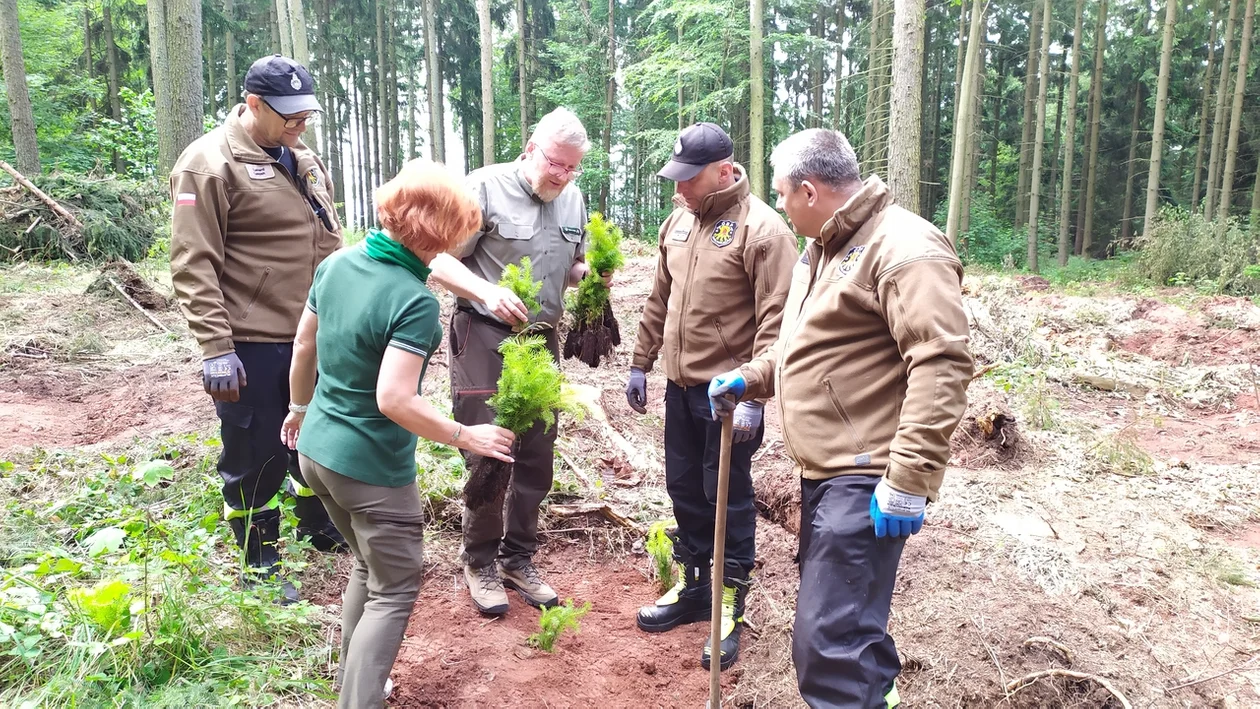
(516, 232)
(858, 442)
(726, 346)
(257, 292)
(459, 342)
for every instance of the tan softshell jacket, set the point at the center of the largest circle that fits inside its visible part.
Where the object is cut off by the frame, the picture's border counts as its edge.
(245, 239)
(872, 364)
(722, 277)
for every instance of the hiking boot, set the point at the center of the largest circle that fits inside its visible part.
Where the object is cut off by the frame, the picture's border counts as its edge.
(687, 602)
(734, 594)
(314, 524)
(486, 589)
(528, 582)
(259, 539)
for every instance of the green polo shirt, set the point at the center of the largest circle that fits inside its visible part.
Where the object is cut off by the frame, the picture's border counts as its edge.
(364, 306)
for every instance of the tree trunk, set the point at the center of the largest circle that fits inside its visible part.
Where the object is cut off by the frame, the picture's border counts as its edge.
(436, 128)
(1053, 182)
(20, 114)
(183, 47)
(874, 71)
(839, 74)
(1255, 203)
(925, 98)
(1219, 127)
(1034, 182)
(297, 25)
(934, 174)
(395, 128)
(976, 132)
(380, 112)
(522, 70)
(757, 124)
(487, 82)
(1207, 104)
(413, 111)
(229, 53)
(610, 96)
(1069, 138)
(1161, 109)
(212, 93)
(1025, 154)
(1126, 221)
(88, 68)
(275, 29)
(1235, 121)
(996, 108)
(961, 124)
(1085, 237)
(161, 68)
(904, 168)
(285, 23)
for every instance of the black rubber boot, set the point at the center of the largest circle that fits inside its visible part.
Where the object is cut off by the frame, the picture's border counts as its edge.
(259, 539)
(314, 524)
(734, 595)
(687, 602)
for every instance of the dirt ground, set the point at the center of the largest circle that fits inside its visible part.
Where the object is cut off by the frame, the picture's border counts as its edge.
(1111, 529)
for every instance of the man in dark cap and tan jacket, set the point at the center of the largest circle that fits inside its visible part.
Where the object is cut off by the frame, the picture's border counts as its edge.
(721, 279)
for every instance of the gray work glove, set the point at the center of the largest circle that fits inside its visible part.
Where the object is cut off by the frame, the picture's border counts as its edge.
(636, 390)
(747, 421)
(223, 377)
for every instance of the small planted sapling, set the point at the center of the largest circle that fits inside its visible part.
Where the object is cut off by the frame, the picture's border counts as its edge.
(554, 621)
(594, 331)
(660, 546)
(531, 389)
(520, 280)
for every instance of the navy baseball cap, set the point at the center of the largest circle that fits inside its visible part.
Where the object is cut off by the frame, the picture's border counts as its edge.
(696, 147)
(284, 84)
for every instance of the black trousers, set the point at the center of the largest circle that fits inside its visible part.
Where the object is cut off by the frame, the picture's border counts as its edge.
(254, 462)
(843, 653)
(693, 442)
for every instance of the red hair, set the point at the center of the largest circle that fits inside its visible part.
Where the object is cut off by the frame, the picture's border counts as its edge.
(427, 209)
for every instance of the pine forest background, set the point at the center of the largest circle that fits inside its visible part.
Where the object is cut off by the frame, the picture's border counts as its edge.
(1092, 116)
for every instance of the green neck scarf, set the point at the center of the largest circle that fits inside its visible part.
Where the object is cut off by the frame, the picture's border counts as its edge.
(383, 248)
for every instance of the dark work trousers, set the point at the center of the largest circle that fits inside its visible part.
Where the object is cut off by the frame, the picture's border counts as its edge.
(843, 653)
(509, 534)
(254, 461)
(693, 445)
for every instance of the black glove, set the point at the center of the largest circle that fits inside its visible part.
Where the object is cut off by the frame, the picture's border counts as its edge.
(636, 390)
(223, 377)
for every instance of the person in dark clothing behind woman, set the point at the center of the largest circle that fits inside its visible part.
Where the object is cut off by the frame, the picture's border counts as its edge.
(369, 328)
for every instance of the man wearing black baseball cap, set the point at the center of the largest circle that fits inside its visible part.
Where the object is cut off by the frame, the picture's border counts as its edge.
(254, 215)
(725, 265)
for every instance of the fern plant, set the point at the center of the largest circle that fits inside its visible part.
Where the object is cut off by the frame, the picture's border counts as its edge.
(554, 621)
(594, 332)
(520, 280)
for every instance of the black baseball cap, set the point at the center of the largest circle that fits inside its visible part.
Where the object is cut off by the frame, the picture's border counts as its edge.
(696, 147)
(284, 84)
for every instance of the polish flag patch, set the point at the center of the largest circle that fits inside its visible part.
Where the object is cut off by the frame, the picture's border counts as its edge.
(186, 198)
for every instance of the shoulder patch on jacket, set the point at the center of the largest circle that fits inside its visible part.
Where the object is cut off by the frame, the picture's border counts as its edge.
(850, 261)
(724, 232)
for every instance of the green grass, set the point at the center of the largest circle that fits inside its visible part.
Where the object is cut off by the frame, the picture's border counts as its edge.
(118, 588)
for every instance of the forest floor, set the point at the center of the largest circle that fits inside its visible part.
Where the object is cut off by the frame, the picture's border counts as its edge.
(1101, 514)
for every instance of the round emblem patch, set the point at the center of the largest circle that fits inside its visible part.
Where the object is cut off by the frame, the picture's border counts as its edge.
(723, 232)
(295, 82)
(678, 147)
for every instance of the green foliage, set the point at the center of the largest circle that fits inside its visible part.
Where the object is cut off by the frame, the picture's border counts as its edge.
(661, 548)
(120, 219)
(603, 254)
(554, 621)
(991, 240)
(118, 591)
(520, 280)
(531, 387)
(135, 137)
(1185, 249)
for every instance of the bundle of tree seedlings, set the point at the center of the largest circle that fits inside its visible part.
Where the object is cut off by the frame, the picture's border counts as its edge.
(594, 331)
(520, 280)
(530, 389)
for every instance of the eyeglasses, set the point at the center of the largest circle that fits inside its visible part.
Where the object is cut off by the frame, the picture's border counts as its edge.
(311, 118)
(559, 170)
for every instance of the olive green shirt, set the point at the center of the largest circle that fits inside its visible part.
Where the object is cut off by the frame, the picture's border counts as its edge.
(364, 306)
(516, 223)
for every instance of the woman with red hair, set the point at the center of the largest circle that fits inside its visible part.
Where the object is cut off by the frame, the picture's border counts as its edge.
(368, 330)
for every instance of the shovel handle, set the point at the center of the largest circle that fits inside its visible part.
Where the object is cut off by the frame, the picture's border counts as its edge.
(717, 576)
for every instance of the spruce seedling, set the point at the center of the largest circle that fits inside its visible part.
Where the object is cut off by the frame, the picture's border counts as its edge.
(554, 621)
(661, 548)
(594, 332)
(520, 280)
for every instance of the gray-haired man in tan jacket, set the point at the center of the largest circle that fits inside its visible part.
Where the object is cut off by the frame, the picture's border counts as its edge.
(870, 371)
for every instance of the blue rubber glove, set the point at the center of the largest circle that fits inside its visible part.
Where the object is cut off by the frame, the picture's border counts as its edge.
(636, 390)
(725, 391)
(896, 513)
(747, 421)
(223, 377)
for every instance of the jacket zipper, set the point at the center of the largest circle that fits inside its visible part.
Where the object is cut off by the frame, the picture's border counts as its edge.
(844, 415)
(682, 331)
(722, 339)
(257, 292)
